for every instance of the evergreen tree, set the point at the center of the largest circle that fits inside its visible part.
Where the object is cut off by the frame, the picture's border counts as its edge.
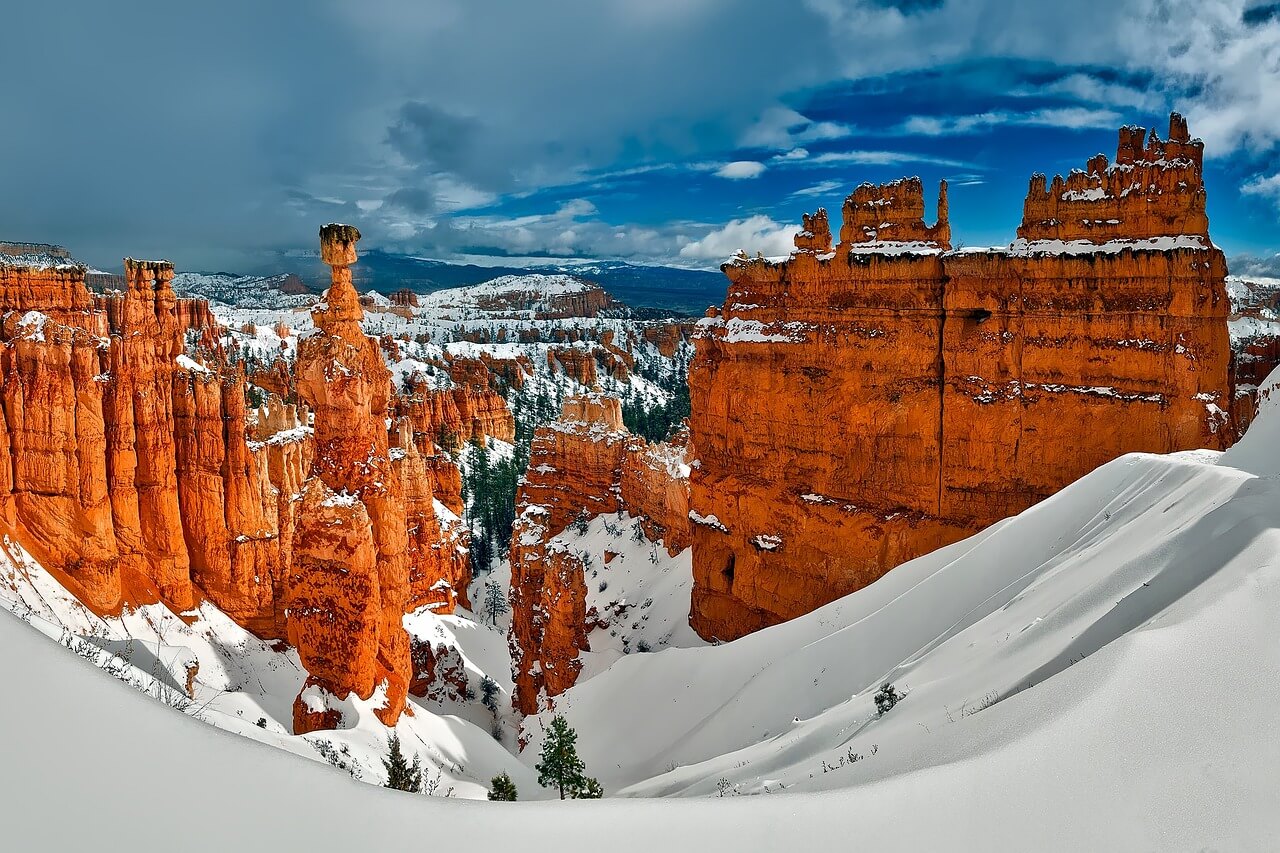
(886, 697)
(495, 602)
(590, 789)
(489, 694)
(559, 766)
(401, 775)
(503, 788)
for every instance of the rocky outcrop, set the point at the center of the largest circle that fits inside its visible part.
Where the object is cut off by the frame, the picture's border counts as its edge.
(585, 464)
(653, 485)
(877, 214)
(853, 410)
(1154, 189)
(349, 584)
(577, 364)
(133, 468)
(452, 417)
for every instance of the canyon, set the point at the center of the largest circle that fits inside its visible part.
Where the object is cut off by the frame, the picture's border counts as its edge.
(858, 405)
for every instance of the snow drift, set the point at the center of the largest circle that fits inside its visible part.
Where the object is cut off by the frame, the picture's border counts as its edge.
(1101, 671)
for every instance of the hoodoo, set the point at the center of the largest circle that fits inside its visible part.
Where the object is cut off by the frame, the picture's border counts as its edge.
(349, 585)
(858, 407)
(134, 468)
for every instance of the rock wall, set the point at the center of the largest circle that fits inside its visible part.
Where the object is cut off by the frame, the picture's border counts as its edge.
(132, 467)
(858, 408)
(588, 464)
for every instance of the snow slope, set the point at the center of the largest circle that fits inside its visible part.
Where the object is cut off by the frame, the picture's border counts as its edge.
(1099, 672)
(1163, 739)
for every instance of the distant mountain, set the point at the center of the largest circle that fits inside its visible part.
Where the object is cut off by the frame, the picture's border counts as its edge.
(669, 289)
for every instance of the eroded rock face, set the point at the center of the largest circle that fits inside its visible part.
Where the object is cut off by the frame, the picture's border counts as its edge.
(587, 464)
(853, 410)
(1154, 189)
(349, 584)
(452, 417)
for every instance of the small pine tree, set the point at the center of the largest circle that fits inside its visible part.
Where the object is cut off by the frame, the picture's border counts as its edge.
(495, 601)
(559, 766)
(886, 697)
(489, 694)
(590, 789)
(503, 788)
(401, 775)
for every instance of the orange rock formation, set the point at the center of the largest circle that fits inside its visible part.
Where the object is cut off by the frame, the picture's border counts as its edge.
(586, 462)
(137, 473)
(855, 409)
(349, 584)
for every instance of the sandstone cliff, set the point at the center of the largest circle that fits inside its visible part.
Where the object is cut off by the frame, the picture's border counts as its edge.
(585, 464)
(133, 467)
(857, 408)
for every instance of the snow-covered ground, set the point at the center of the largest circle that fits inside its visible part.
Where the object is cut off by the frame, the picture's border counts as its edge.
(1100, 672)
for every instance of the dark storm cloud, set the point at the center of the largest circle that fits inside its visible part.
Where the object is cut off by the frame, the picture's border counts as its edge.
(210, 133)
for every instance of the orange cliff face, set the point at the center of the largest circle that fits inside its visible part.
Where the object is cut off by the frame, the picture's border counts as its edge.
(131, 478)
(137, 473)
(587, 462)
(858, 408)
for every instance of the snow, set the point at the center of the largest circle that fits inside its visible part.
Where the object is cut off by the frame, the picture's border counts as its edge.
(1099, 672)
(1084, 247)
(738, 330)
(895, 247)
(1090, 194)
(32, 325)
(191, 364)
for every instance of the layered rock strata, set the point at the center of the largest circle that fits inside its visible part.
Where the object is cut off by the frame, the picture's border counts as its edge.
(856, 408)
(133, 468)
(349, 586)
(585, 464)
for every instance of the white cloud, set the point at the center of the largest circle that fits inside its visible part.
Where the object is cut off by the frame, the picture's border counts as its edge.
(793, 154)
(1083, 87)
(1267, 187)
(782, 128)
(879, 158)
(740, 170)
(822, 188)
(1201, 56)
(1068, 117)
(755, 234)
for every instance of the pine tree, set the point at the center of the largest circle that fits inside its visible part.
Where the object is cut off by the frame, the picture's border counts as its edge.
(559, 766)
(503, 788)
(495, 602)
(401, 775)
(589, 790)
(489, 694)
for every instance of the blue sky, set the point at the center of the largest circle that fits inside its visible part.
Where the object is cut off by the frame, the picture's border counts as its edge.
(663, 131)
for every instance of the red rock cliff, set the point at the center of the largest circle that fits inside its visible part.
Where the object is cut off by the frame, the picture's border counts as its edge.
(853, 410)
(587, 462)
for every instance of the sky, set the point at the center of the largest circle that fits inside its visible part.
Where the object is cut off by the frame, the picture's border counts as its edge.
(221, 135)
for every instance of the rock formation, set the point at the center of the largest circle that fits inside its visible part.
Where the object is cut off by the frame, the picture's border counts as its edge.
(349, 584)
(857, 408)
(451, 417)
(587, 463)
(133, 468)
